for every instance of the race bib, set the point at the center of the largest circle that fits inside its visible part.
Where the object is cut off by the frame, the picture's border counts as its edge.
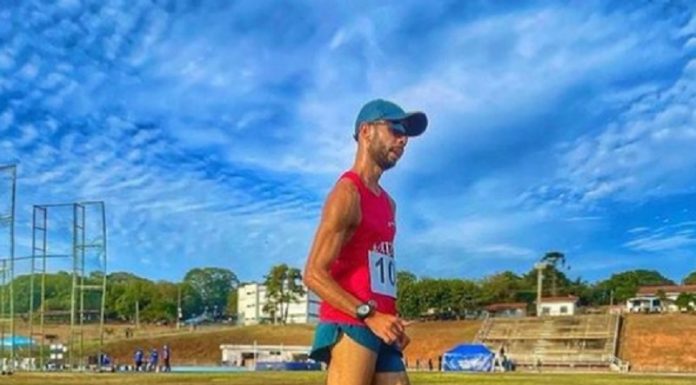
(382, 274)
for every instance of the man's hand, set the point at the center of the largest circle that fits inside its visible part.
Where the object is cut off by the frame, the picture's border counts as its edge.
(403, 342)
(388, 327)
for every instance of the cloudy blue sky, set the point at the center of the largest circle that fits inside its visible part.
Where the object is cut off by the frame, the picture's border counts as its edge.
(213, 130)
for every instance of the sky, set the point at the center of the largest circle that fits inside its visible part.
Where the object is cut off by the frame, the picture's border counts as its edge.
(213, 130)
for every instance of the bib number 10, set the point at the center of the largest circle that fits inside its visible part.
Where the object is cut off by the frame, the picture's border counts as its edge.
(382, 274)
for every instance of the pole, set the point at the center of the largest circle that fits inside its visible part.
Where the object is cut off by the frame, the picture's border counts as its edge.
(12, 256)
(540, 278)
(73, 292)
(178, 306)
(103, 291)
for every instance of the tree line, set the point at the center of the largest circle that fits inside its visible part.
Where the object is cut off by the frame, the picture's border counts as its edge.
(129, 298)
(208, 290)
(456, 298)
(213, 291)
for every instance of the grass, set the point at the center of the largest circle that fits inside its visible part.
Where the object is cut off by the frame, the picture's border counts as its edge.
(316, 378)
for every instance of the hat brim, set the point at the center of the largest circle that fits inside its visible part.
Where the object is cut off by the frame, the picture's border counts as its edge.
(414, 123)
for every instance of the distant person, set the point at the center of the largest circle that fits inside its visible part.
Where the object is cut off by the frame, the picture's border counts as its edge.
(154, 359)
(351, 263)
(166, 355)
(138, 360)
(105, 362)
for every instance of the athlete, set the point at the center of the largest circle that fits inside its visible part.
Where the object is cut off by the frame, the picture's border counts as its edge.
(351, 263)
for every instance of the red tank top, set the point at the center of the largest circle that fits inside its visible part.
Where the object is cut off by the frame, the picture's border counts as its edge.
(365, 265)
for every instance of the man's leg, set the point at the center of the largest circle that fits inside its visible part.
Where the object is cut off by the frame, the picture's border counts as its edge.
(391, 378)
(351, 363)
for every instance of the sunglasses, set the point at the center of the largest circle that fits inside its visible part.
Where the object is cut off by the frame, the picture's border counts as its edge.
(395, 127)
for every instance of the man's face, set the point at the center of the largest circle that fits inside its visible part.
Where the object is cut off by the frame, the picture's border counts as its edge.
(385, 145)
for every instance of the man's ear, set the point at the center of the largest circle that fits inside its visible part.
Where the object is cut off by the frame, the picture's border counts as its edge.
(364, 129)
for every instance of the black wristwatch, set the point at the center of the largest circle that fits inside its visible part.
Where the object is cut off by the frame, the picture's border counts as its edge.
(365, 310)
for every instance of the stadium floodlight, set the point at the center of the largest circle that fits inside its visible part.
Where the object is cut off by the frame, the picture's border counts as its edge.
(540, 267)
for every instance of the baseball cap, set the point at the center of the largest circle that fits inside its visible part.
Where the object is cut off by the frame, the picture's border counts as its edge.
(409, 123)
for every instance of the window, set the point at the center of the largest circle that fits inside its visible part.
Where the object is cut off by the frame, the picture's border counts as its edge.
(564, 309)
(545, 310)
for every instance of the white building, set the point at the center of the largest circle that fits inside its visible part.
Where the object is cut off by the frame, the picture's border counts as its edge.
(559, 306)
(251, 299)
(649, 304)
(249, 355)
(649, 298)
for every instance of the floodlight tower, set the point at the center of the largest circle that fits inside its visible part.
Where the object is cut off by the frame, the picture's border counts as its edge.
(88, 240)
(8, 219)
(540, 267)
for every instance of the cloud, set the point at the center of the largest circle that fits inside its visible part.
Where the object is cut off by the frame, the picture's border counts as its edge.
(667, 238)
(213, 131)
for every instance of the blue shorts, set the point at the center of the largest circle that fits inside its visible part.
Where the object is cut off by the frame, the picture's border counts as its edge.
(389, 358)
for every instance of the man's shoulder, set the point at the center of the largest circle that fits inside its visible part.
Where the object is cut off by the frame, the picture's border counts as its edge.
(346, 186)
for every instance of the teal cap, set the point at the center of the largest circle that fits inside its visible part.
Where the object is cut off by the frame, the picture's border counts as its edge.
(408, 123)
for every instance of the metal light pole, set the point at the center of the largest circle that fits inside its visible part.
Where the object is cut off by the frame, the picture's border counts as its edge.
(178, 306)
(540, 267)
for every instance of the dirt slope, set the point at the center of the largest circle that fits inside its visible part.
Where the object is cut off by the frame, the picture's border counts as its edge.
(656, 342)
(202, 347)
(648, 342)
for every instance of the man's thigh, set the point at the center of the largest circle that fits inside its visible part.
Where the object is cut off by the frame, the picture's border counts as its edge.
(391, 378)
(351, 363)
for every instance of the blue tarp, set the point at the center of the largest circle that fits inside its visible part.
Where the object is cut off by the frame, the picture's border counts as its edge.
(468, 358)
(19, 341)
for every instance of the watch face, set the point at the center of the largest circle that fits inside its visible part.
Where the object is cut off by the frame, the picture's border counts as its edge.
(363, 310)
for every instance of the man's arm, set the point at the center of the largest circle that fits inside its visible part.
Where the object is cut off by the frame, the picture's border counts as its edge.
(340, 217)
(403, 340)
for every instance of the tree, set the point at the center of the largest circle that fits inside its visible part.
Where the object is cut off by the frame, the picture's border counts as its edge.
(435, 297)
(560, 284)
(407, 296)
(212, 285)
(625, 285)
(553, 259)
(283, 287)
(162, 305)
(125, 291)
(503, 287)
(685, 301)
(690, 279)
(465, 296)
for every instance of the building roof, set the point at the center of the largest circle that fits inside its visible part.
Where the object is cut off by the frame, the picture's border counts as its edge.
(667, 289)
(506, 306)
(569, 298)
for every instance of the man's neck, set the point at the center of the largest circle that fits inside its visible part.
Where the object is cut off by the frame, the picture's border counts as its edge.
(370, 173)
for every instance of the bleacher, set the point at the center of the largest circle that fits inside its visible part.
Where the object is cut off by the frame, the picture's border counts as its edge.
(583, 341)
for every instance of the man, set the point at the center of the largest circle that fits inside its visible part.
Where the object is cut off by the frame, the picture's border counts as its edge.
(154, 359)
(351, 262)
(166, 354)
(138, 358)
